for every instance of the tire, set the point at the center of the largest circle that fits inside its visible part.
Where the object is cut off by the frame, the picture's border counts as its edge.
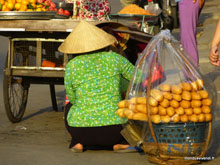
(15, 96)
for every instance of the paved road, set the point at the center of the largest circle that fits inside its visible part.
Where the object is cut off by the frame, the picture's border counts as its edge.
(41, 137)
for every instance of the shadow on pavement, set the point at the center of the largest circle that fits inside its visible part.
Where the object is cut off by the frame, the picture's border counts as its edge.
(60, 96)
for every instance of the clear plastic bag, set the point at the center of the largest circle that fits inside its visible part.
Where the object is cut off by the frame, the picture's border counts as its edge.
(169, 102)
(153, 8)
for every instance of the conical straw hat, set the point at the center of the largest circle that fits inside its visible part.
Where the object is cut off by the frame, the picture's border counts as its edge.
(86, 38)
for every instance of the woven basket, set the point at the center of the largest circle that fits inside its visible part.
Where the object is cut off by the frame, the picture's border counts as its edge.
(176, 141)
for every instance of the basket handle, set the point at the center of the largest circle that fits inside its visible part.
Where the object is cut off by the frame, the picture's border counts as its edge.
(147, 105)
(207, 141)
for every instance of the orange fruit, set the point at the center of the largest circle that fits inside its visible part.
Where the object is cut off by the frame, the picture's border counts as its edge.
(167, 95)
(176, 118)
(186, 95)
(165, 119)
(208, 117)
(162, 111)
(185, 104)
(206, 102)
(120, 112)
(17, 6)
(10, 5)
(196, 103)
(155, 119)
(32, 1)
(24, 2)
(174, 103)
(11, 1)
(156, 94)
(206, 109)
(2, 2)
(197, 111)
(153, 102)
(204, 94)
(141, 108)
(170, 111)
(165, 87)
(165, 103)
(184, 118)
(4, 8)
(188, 111)
(19, 1)
(201, 117)
(194, 118)
(186, 86)
(177, 97)
(176, 89)
(179, 111)
(128, 113)
(153, 110)
(133, 100)
(196, 96)
(23, 8)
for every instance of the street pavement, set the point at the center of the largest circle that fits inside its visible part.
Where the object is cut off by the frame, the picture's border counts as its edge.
(41, 139)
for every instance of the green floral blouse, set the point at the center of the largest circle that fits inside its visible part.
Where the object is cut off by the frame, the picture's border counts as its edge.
(92, 83)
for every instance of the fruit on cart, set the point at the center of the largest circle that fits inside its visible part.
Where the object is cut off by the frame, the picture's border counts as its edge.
(27, 5)
(60, 11)
(66, 12)
(170, 103)
(47, 63)
(134, 9)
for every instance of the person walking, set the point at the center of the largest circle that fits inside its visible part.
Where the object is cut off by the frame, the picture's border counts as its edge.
(189, 11)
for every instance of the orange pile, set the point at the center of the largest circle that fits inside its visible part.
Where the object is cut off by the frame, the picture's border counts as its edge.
(134, 9)
(184, 102)
(21, 5)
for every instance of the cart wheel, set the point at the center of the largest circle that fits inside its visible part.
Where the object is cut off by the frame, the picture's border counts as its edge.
(15, 96)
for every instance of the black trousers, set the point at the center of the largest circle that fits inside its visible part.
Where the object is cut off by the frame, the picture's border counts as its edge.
(103, 136)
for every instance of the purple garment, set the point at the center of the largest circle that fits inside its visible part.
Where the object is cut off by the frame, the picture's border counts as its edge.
(188, 17)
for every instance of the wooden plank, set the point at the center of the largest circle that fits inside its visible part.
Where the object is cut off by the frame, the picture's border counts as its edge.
(37, 73)
(53, 25)
(38, 54)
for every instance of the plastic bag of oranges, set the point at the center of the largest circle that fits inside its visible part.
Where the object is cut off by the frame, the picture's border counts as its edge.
(169, 100)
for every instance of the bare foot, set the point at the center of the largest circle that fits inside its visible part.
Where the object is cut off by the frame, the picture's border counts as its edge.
(78, 146)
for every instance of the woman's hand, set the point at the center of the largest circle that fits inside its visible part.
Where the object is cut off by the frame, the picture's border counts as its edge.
(201, 2)
(214, 56)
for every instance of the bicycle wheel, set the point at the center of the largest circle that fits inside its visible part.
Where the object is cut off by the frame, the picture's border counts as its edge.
(15, 96)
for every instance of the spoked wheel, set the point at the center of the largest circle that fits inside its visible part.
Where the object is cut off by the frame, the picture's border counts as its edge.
(15, 96)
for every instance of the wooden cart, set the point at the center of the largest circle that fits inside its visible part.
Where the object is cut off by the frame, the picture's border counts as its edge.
(30, 43)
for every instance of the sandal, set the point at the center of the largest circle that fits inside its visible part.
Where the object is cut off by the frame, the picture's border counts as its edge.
(129, 149)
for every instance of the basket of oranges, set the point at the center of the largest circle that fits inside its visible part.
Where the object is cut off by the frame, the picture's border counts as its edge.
(168, 105)
(179, 116)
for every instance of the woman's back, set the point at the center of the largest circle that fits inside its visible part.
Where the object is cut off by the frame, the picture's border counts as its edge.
(92, 83)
